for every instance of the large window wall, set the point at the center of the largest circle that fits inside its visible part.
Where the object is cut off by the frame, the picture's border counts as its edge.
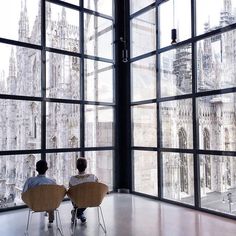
(183, 102)
(56, 91)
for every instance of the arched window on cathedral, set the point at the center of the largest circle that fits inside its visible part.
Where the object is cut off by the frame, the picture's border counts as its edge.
(227, 142)
(75, 62)
(75, 108)
(35, 127)
(74, 142)
(54, 142)
(29, 166)
(227, 164)
(34, 120)
(183, 161)
(34, 76)
(207, 159)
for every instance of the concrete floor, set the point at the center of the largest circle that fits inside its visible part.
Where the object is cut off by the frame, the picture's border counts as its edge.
(125, 215)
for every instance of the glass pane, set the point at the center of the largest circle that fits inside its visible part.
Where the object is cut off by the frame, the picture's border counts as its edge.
(61, 166)
(62, 28)
(20, 125)
(20, 71)
(216, 116)
(211, 16)
(98, 126)
(178, 181)
(216, 62)
(145, 172)
(63, 125)
(14, 171)
(218, 182)
(136, 5)
(63, 76)
(98, 36)
(100, 163)
(21, 20)
(144, 125)
(179, 19)
(143, 33)
(176, 122)
(143, 79)
(101, 6)
(176, 71)
(98, 81)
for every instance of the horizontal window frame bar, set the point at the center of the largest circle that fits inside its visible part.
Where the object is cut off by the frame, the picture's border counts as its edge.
(201, 209)
(197, 38)
(79, 8)
(20, 97)
(20, 152)
(54, 100)
(20, 44)
(187, 96)
(96, 58)
(143, 56)
(98, 14)
(85, 149)
(77, 54)
(187, 151)
(80, 102)
(63, 52)
(139, 148)
(143, 10)
(150, 101)
(52, 150)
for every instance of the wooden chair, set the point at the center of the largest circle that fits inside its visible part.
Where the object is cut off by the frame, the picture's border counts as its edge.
(89, 195)
(44, 198)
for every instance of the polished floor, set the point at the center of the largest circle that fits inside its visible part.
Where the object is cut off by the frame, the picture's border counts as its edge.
(125, 215)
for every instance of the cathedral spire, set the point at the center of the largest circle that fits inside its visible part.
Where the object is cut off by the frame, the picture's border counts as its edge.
(63, 16)
(228, 6)
(11, 80)
(226, 17)
(23, 32)
(12, 64)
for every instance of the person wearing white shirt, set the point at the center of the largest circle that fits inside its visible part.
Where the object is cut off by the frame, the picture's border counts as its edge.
(82, 177)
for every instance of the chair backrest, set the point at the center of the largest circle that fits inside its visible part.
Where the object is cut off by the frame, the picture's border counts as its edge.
(44, 197)
(87, 194)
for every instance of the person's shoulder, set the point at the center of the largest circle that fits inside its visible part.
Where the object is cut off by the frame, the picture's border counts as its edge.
(31, 179)
(73, 176)
(93, 177)
(51, 179)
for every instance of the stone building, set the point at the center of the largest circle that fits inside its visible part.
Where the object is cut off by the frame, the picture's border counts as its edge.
(20, 121)
(216, 58)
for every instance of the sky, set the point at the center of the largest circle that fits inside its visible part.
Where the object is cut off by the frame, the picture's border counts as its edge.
(10, 13)
(9, 18)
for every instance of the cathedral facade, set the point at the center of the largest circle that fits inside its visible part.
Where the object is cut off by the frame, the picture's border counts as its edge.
(215, 116)
(20, 123)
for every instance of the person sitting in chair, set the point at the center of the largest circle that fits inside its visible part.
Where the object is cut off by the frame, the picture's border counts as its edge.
(82, 177)
(40, 179)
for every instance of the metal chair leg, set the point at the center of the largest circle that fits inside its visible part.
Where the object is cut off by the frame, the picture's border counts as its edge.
(98, 216)
(58, 220)
(102, 225)
(28, 222)
(74, 223)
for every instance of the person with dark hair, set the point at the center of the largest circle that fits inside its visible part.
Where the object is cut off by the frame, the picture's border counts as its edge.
(40, 179)
(82, 177)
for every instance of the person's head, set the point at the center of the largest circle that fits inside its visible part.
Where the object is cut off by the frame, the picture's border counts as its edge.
(81, 164)
(41, 167)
